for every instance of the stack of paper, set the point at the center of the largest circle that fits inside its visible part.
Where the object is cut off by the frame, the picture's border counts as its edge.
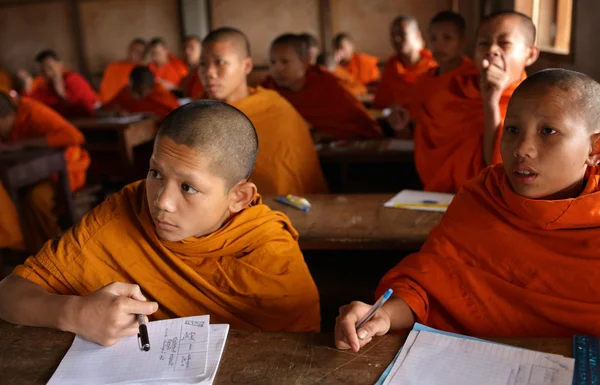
(183, 350)
(420, 200)
(431, 357)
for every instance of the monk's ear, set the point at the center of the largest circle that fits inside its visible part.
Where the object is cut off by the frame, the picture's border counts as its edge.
(241, 195)
(532, 56)
(248, 65)
(594, 156)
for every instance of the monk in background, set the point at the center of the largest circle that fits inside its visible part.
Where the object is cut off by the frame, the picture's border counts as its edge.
(516, 254)
(168, 68)
(287, 162)
(332, 111)
(360, 65)
(65, 91)
(28, 123)
(459, 126)
(193, 238)
(397, 86)
(143, 94)
(116, 74)
(347, 81)
(313, 47)
(191, 84)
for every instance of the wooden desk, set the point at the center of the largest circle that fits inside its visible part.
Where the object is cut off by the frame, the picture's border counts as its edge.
(31, 355)
(24, 168)
(357, 221)
(111, 144)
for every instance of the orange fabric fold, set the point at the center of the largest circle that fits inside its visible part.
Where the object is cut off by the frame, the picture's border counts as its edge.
(250, 273)
(11, 236)
(363, 68)
(116, 76)
(174, 71)
(328, 107)
(287, 161)
(192, 86)
(449, 133)
(6, 82)
(160, 102)
(503, 265)
(397, 84)
(348, 81)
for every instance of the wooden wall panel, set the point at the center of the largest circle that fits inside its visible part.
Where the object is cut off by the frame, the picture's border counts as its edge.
(109, 25)
(30, 28)
(368, 22)
(263, 20)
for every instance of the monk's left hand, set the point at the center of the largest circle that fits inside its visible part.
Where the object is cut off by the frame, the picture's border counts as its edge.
(494, 80)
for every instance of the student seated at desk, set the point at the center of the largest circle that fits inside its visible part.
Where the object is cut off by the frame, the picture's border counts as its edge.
(364, 68)
(143, 94)
(65, 91)
(168, 68)
(29, 123)
(191, 239)
(329, 108)
(397, 85)
(516, 254)
(116, 74)
(459, 126)
(287, 161)
(191, 84)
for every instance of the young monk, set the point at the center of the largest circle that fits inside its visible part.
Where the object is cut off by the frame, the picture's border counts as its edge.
(168, 68)
(313, 47)
(348, 81)
(65, 91)
(459, 127)
(287, 162)
(193, 238)
(330, 109)
(404, 68)
(529, 271)
(360, 65)
(116, 74)
(143, 94)
(29, 123)
(191, 84)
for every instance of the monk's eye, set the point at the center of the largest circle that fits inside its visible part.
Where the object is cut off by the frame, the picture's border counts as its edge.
(511, 129)
(504, 43)
(186, 188)
(154, 174)
(483, 44)
(220, 62)
(549, 131)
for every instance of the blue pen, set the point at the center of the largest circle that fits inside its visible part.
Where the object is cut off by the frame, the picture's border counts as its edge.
(374, 308)
(429, 202)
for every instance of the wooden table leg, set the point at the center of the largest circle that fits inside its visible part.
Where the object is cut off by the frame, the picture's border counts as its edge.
(64, 193)
(13, 192)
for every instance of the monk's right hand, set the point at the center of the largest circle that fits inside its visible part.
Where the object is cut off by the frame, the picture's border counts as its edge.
(110, 313)
(398, 118)
(346, 335)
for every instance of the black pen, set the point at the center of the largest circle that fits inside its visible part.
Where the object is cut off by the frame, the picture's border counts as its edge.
(143, 339)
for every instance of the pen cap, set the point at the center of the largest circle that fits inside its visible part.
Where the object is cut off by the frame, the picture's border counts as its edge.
(387, 294)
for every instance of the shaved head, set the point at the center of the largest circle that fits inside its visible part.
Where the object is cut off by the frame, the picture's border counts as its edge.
(311, 41)
(407, 20)
(339, 39)
(580, 89)
(298, 42)
(527, 27)
(236, 37)
(141, 76)
(218, 130)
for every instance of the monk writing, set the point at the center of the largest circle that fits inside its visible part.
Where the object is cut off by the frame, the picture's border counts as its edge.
(191, 84)
(287, 162)
(360, 65)
(143, 94)
(459, 127)
(193, 238)
(116, 74)
(168, 68)
(516, 253)
(65, 91)
(397, 86)
(29, 123)
(331, 110)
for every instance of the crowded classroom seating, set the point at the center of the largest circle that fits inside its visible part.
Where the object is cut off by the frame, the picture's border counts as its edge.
(282, 183)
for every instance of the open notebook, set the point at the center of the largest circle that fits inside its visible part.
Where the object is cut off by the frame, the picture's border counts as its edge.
(183, 351)
(430, 357)
(420, 200)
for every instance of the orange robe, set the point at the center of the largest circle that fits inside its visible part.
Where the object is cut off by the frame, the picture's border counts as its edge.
(348, 81)
(37, 120)
(192, 86)
(449, 133)
(160, 102)
(397, 84)
(116, 76)
(6, 81)
(328, 107)
(174, 71)
(287, 161)
(502, 265)
(363, 68)
(250, 273)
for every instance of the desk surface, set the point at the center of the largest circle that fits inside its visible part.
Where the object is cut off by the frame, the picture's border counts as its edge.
(371, 151)
(357, 221)
(110, 123)
(30, 356)
(8, 158)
